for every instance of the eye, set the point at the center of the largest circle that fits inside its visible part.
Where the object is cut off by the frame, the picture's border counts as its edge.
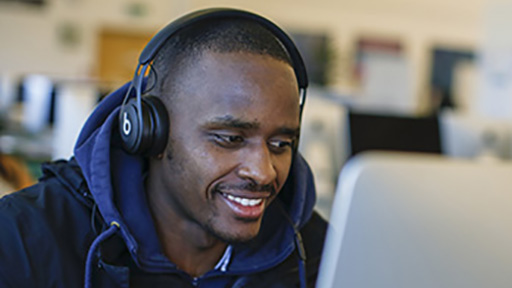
(228, 140)
(280, 145)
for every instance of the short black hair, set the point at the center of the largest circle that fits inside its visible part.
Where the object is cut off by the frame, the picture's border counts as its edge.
(226, 35)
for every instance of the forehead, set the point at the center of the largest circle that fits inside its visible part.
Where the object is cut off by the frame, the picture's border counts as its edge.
(241, 85)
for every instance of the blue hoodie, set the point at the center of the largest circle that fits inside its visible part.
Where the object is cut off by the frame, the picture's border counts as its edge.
(115, 195)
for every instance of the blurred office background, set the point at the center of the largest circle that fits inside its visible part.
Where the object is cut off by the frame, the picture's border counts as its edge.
(416, 75)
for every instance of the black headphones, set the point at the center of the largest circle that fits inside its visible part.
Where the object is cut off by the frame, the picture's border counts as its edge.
(144, 121)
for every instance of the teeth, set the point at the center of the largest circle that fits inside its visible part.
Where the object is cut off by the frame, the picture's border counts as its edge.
(244, 201)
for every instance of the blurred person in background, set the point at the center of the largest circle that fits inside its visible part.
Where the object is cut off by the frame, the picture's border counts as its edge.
(14, 175)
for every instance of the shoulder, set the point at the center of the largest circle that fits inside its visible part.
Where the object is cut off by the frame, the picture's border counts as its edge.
(44, 228)
(53, 199)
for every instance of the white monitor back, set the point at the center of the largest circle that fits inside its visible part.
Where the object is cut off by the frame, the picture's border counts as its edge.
(465, 135)
(409, 220)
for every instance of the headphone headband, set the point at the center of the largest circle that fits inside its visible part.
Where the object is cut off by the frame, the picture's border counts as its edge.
(157, 42)
(143, 120)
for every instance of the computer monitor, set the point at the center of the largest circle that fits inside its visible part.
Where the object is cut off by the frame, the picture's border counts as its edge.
(370, 131)
(37, 92)
(409, 220)
(466, 135)
(315, 49)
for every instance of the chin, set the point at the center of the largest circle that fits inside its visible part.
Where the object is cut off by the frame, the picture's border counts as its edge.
(235, 239)
(240, 236)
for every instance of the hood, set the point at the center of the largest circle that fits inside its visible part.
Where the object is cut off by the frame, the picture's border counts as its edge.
(116, 181)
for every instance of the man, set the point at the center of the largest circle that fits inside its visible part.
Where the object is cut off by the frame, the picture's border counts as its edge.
(223, 205)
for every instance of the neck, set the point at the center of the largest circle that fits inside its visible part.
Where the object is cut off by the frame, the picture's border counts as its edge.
(184, 242)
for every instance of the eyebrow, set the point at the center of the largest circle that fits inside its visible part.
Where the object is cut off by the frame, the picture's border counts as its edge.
(228, 121)
(294, 133)
(231, 122)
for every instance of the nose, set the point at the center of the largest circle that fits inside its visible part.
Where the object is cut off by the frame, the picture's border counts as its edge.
(257, 166)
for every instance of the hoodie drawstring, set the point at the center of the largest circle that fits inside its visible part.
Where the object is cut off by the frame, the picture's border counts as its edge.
(302, 257)
(114, 226)
(299, 245)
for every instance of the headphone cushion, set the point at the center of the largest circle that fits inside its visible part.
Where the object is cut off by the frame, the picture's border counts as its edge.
(157, 127)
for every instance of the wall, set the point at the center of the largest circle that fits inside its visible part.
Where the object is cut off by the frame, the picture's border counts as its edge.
(30, 37)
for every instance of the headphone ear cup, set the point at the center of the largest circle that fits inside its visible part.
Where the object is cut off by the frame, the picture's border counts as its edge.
(130, 127)
(158, 126)
(148, 138)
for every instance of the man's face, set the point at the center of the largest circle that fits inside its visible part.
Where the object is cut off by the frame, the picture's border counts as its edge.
(232, 127)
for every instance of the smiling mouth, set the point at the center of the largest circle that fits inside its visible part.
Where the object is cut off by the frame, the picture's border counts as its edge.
(245, 208)
(243, 201)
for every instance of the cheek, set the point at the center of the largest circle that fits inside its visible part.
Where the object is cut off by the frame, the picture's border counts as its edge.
(283, 169)
(204, 165)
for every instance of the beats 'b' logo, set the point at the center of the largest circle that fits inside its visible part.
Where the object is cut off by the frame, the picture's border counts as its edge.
(127, 125)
